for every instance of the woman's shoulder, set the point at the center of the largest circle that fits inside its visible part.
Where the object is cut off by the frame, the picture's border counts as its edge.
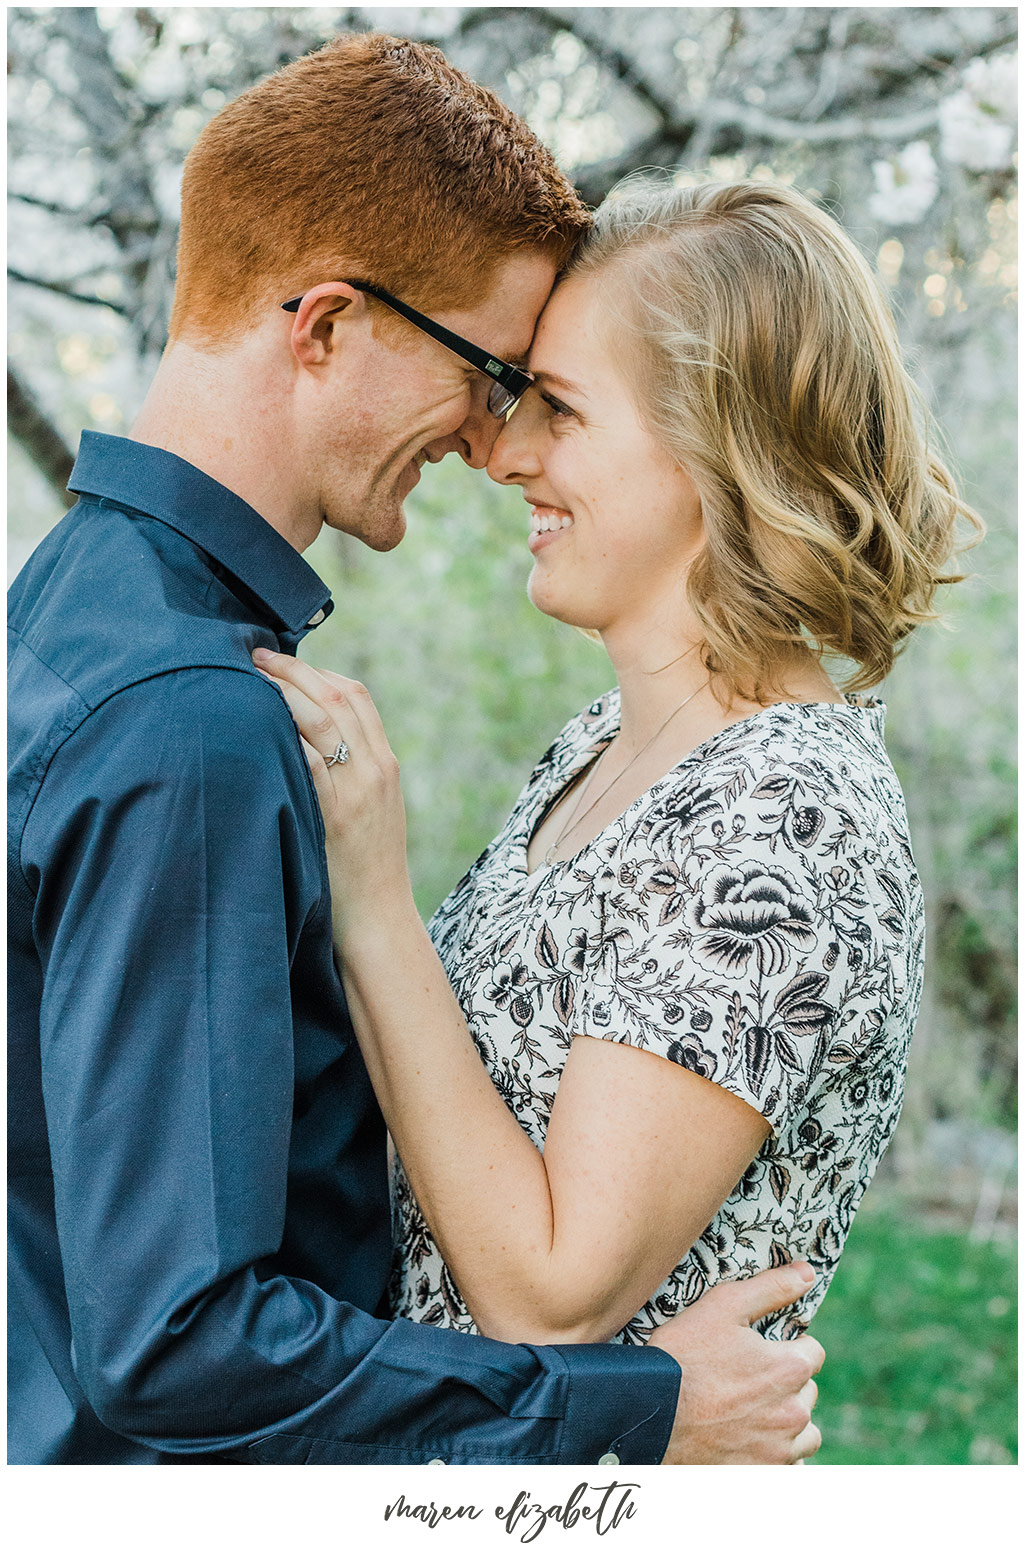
(790, 776)
(597, 720)
(819, 737)
(836, 749)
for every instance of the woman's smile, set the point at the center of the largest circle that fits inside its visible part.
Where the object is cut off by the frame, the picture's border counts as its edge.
(587, 464)
(548, 525)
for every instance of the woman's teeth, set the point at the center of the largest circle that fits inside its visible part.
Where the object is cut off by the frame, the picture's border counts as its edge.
(550, 519)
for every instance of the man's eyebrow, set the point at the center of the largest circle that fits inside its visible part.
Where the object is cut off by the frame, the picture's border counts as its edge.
(543, 375)
(515, 359)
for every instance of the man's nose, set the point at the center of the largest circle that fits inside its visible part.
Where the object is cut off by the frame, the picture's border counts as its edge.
(513, 459)
(473, 439)
(477, 435)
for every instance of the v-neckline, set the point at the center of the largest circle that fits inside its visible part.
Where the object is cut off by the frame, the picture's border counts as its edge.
(589, 755)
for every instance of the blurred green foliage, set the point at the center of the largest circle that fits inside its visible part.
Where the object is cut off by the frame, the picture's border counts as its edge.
(919, 1329)
(951, 731)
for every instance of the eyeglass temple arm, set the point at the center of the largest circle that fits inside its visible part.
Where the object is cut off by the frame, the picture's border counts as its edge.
(506, 374)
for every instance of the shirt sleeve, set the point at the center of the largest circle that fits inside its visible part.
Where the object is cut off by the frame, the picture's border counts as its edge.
(175, 852)
(738, 927)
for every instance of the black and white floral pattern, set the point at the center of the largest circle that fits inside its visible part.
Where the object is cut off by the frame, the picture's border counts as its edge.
(756, 917)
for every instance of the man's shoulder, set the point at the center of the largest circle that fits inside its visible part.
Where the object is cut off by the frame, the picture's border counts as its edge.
(121, 649)
(187, 717)
(191, 744)
(111, 599)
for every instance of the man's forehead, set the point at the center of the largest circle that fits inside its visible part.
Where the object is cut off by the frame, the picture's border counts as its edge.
(509, 313)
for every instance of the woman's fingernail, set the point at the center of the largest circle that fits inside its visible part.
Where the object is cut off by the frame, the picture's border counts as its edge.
(262, 654)
(804, 1270)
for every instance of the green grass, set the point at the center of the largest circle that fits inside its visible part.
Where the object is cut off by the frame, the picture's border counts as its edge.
(919, 1327)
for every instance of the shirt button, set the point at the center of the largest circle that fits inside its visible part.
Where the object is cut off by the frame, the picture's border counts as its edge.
(314, 622)
(439, 1462)
(609, 1459)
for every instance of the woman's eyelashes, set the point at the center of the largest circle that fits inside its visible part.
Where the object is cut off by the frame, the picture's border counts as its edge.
(558, 408)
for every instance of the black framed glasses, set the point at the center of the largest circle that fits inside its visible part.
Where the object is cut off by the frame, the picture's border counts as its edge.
(510, 382)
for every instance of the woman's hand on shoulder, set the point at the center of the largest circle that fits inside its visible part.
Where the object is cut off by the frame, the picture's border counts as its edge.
(357, 782)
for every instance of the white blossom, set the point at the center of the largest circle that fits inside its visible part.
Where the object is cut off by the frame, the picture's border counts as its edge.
(905, 185)
(977, 123)
(993, 85)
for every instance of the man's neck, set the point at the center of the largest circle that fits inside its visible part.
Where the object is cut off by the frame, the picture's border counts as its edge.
(218, 413)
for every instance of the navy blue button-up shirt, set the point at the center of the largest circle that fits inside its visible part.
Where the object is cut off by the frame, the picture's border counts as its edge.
(198, 1198)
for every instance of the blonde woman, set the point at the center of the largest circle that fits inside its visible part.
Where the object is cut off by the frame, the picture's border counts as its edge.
(656, 1036)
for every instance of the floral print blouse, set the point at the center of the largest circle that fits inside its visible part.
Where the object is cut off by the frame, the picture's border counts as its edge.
(755, 916)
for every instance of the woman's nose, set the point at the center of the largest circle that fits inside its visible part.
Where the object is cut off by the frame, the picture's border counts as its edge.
(514, 458)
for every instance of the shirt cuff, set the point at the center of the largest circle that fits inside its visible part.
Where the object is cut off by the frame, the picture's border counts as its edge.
(621, 1404)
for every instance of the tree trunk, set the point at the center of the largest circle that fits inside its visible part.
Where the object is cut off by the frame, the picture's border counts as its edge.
(40, 439)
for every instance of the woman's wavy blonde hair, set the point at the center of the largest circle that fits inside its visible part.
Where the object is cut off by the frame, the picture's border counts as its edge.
(765, 359)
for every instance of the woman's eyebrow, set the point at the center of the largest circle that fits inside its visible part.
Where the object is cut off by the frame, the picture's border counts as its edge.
(542, 374)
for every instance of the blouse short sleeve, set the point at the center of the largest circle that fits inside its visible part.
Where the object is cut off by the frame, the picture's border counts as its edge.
(744, 928)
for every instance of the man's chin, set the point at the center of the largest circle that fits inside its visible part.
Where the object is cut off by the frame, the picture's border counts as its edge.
(386, 543)
(381, 532)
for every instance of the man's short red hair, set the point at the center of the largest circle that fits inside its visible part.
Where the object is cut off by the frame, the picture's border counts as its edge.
(373, 158)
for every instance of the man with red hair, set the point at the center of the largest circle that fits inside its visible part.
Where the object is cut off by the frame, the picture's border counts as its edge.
(199, 1219)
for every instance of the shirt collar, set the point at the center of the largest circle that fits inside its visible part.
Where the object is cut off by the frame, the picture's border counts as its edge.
(155, 482)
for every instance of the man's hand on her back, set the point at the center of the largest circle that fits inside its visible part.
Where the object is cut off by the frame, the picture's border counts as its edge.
(743, 1398)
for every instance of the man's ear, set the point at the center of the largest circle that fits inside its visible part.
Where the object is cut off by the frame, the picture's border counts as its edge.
(320, 312)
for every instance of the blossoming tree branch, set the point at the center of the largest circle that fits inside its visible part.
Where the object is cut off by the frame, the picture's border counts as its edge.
(902, 120)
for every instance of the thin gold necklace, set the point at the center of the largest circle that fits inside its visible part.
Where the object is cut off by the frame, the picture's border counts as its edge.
(578, 816)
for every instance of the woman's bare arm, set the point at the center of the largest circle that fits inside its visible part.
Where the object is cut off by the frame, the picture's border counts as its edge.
(563, 1246)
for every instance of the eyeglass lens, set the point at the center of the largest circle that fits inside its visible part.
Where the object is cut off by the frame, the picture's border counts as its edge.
(499, 400)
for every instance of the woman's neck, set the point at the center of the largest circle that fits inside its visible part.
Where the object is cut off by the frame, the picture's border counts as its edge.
(649, 693)
(658, 663)
(656, 679)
